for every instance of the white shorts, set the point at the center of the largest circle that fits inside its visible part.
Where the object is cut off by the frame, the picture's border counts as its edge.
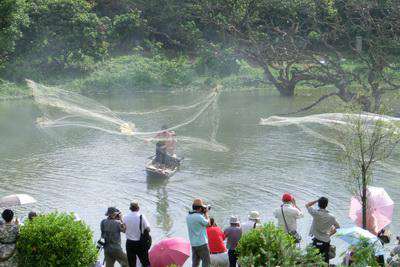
(219, 260)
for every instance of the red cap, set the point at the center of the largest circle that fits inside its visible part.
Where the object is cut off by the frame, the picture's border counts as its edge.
(287, 197)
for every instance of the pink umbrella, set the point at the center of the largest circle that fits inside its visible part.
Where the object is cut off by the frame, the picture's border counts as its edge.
(169, 251)
(379, 209)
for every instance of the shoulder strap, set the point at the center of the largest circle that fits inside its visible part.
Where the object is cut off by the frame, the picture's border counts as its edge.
(102, 227)
(283, 215)
(140, 224)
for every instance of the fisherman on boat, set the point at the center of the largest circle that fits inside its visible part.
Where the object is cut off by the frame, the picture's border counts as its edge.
(165, 149)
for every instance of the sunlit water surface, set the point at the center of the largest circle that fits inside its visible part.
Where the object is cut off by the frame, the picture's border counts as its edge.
(85, 171)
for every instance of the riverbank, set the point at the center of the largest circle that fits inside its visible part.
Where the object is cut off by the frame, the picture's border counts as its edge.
(155, 73)
(137, 72)
(13, 91)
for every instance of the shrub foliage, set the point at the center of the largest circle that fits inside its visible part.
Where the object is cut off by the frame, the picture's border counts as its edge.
(56, 240)
(272, 246)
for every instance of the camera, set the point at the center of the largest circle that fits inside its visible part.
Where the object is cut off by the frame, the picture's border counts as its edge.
(101, 243)
(205, 208)
(118, 216)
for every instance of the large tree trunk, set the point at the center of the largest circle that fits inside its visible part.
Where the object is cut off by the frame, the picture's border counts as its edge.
(286, 90)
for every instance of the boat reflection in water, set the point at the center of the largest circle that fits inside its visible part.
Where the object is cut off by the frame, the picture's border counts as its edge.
(159, 186)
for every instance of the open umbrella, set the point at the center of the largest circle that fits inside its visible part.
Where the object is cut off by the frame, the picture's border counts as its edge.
(16, 200)
(380, 208)
(169, 251)
(353, 234)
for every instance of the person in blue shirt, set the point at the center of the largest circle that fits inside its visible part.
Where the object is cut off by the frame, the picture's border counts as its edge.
(197, 222)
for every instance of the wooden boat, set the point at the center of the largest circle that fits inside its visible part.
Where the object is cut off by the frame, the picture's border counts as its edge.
(153, 170)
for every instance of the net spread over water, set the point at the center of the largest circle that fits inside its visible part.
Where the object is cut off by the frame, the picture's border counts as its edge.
(63, 108)
(334, 121)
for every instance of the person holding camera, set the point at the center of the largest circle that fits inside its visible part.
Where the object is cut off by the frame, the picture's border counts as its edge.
(111, 229)
(197, 221)
(288, 214)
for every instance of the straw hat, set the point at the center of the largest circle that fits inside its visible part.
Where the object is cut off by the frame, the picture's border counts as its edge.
(234, 219)
(198, 202)
(254, 215)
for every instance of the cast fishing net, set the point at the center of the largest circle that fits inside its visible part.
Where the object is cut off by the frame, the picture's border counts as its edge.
(62, 108)
(329, 126)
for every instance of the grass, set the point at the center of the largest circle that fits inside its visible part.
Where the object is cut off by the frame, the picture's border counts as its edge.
(9, 90)
(136, 72)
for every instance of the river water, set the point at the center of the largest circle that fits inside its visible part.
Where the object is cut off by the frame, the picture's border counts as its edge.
(85, 171)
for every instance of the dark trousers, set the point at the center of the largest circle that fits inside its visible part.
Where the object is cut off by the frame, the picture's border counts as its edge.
(135, 248)
(323, 248)
(381, 260)
(201, 253)
(232, 258)
(161, 153)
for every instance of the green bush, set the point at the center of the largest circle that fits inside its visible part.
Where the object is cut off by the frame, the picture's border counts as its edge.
(56, 240)
(364, 254)
(136, 72)
(272, 246)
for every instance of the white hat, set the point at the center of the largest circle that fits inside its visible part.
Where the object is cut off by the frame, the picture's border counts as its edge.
(254, 215)
(234, 219)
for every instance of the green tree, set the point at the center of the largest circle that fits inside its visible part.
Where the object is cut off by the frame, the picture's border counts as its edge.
(12, 18)
(61, 34)
(360, 47)
(271, 35)
(128, 31)
(367, 139)
(111, 8)
(56, 240)
(173, 23)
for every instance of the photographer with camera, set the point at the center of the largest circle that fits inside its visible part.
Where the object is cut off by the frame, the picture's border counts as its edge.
(111, 229)
(197, 222)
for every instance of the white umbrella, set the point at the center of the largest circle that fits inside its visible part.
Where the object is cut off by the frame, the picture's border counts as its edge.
(16, 200)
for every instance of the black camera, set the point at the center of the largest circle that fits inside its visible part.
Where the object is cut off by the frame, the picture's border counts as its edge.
(101, 243)
(205, 208)
(118, 216)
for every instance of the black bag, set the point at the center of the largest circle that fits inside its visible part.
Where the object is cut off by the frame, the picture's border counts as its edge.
(384, 235)
(101, 242)
(296, 236)
(145, 237)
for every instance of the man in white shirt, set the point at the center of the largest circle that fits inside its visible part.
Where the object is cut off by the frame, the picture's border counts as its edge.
(134, 247)
(252, 223)
(291, 212)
